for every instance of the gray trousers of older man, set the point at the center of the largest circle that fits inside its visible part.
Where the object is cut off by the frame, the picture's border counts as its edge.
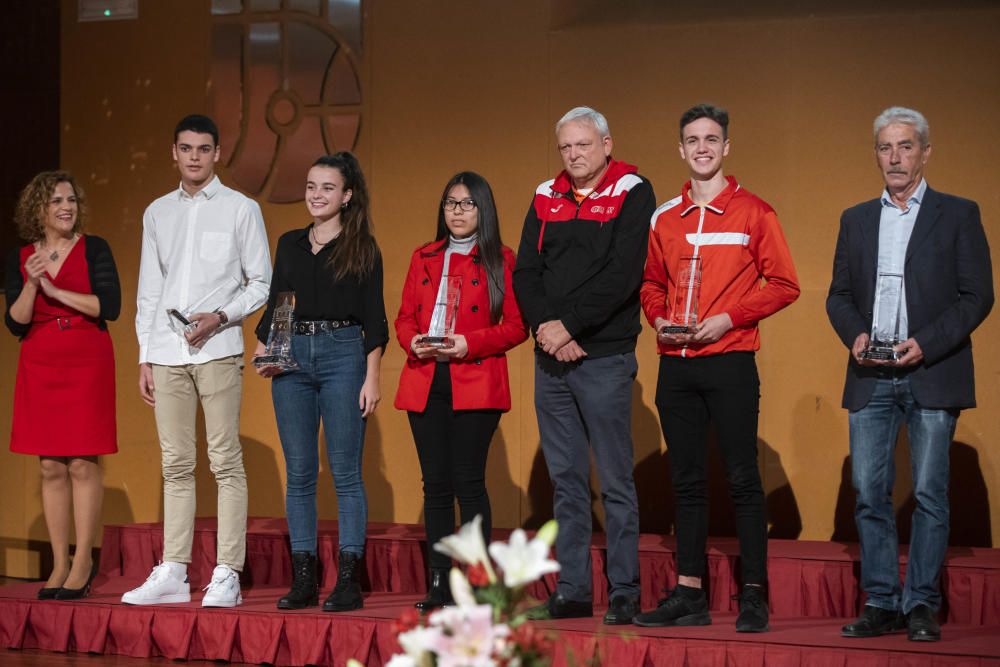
(589, 407)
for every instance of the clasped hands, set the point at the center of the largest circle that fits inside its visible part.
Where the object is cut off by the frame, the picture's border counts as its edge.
(553, 338)
(34, 266)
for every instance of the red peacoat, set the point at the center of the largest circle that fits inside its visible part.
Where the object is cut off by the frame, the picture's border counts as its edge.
(479, 381)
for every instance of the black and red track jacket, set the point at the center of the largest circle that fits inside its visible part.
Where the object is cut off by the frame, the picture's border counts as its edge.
(582, 263)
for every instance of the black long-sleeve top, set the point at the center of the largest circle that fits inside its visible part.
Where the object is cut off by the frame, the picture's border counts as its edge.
(103, 283)
(319, 295)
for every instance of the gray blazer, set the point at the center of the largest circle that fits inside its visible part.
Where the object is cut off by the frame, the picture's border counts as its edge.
(949, 292)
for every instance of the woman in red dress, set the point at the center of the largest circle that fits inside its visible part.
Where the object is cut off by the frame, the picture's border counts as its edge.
(61, 289)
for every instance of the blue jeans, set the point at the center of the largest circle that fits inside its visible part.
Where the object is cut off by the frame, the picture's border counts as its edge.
(873, 439)
(332, 368)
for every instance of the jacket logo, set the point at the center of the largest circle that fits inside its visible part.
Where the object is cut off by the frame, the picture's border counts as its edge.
(610, 210)
(556, 209)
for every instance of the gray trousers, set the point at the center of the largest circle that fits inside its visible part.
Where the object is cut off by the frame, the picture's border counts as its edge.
(590, 407)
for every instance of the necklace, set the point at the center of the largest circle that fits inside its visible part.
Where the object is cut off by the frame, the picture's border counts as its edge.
(54, 255)
(315, 239)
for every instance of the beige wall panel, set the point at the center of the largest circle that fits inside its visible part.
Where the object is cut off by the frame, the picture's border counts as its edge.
(476, 85)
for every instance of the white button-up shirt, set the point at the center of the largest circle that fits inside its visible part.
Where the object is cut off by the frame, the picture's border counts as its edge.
(211, 248)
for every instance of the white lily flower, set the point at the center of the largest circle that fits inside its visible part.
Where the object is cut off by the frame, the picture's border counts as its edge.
(417, 642)
(469, 637)
(467, 546)
(461, 591)
(398, 660)
(522, 561)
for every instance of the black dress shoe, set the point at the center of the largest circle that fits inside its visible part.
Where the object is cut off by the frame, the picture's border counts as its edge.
(47, 593)
(874, 622)
(922, 625)
(558, 606)
(622, 610)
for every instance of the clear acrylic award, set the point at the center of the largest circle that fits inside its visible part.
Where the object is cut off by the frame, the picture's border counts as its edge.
(443, 321)
(278, 351)
(179, 319)
(684, 307)
(886, 318)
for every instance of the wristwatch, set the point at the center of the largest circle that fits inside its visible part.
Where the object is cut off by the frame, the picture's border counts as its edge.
(223, 318)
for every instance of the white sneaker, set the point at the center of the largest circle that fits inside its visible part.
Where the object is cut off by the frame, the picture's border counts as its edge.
(224, 588)
(164, 586)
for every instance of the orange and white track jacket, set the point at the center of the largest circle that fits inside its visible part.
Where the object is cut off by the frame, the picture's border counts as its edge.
(739, 240)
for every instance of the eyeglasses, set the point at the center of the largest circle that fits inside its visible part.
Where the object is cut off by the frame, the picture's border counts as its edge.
(465, 204)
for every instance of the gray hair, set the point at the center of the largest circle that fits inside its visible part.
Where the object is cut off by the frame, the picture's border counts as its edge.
(905, 116)
(586, 114)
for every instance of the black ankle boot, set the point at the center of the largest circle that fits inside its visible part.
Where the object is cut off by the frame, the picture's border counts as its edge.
(305, 588)
(346, 594)
(438, 592)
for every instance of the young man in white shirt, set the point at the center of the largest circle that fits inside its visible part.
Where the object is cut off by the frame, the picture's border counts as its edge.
(205, 257)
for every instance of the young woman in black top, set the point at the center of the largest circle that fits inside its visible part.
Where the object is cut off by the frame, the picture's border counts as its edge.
(339, 333)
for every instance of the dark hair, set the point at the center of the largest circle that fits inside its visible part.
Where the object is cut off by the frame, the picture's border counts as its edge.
(356, 252)
(34, 199)
(487, 234)
(709, 111)
(197, 123)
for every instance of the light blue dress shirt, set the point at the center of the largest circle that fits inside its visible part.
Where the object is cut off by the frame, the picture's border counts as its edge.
(894, 230)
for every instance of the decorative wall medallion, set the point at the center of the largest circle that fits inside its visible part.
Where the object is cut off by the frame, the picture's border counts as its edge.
(284, 88)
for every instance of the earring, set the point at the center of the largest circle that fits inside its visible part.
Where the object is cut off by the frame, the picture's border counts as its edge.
(343, 207)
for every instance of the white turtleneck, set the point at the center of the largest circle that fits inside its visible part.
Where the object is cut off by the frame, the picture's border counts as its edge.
(455, 245)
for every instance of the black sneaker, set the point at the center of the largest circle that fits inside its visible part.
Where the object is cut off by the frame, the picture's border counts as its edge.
(753, 610)
(677, 609)
(621, 611)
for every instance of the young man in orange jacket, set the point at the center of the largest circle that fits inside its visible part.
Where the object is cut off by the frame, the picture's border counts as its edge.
(708, 373)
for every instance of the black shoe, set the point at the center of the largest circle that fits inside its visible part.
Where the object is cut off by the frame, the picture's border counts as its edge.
(558, 606)
(77, 593)
(922, 625)
(678, 608)
(753, 610)
(874, 622)
(438, 592)
(305, 586)
(622, 610)
(47, 593)
(346, 594)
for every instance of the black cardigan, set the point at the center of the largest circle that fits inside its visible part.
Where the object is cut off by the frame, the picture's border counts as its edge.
(103, 283)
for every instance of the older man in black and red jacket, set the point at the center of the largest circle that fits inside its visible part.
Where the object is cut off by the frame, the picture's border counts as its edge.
(577, 280)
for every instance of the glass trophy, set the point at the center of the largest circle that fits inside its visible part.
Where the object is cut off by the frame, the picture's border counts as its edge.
(886, 316)
(179, 319)
(684, 309)
(443, 321)
(278, 351)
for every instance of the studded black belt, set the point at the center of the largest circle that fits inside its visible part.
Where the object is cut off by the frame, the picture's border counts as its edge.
(313, 327)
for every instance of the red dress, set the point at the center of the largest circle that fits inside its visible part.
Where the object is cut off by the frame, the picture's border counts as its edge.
(64, 396)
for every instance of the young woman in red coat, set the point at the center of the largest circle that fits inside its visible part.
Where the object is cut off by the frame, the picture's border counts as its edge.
(454, 395)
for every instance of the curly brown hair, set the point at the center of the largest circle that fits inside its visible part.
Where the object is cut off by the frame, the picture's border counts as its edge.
(34, 199)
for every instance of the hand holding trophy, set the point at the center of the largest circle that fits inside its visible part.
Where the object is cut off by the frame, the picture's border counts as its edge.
(442, 327)
(885, 333)
(683, 317)
(277, 357)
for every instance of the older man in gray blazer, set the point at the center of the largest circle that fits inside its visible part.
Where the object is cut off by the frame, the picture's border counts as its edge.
(930, 248)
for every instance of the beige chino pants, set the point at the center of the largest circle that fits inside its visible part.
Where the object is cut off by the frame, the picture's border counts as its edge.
(218, 385)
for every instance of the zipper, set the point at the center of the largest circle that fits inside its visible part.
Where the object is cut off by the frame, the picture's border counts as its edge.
(694, 257)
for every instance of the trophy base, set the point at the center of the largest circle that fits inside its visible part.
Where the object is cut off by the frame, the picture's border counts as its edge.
(283, 364)
(440, 342)
(677, 329)
(879, 354)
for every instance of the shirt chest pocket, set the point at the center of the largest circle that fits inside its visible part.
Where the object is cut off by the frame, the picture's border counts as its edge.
(214, 246)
